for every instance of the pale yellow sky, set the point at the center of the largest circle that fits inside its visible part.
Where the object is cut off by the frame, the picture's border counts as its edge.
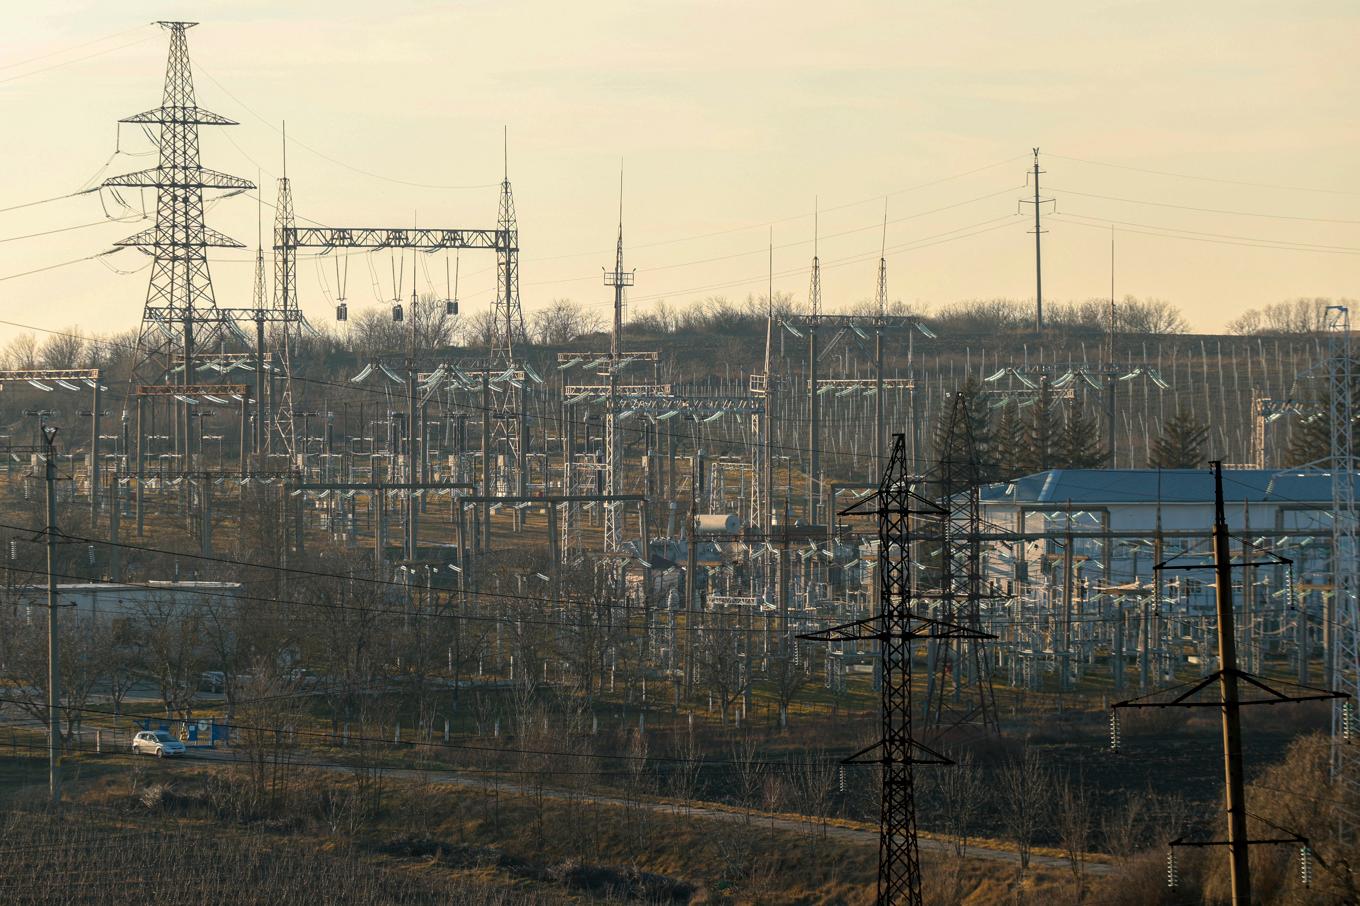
(729, 117)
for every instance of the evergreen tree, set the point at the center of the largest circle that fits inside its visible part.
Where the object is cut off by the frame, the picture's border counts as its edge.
(1011, 444)
(967, 446)
(1078, 444)
(1181, 445)
(1043, 430)
(1310, 437)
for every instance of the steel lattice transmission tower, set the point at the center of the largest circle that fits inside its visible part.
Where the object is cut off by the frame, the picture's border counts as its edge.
(286, 310)
(896, 628)
(959, 689)
(1345, 653)
(507, 318)
(181, 313)
(620, 280)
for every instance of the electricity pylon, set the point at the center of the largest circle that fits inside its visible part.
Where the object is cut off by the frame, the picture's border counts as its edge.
(181, 312)
(896, 627)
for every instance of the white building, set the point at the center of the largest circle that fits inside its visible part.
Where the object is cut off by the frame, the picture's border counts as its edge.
(111, 601)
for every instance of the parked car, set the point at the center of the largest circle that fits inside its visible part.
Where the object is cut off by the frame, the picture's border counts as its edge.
(158, 743)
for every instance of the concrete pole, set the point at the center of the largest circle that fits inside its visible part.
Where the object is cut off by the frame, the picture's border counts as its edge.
(115, 516)
(1038, 247)
(488, 471)
(1248, 594)
(814, 423)
(878, 457)
(94, 453)
(205, 503)
(53, 646)
(1064, 656)
(260, 387)
(379, 526)
(141, 469)
(412, 508)
(1235, 800)
(245, 431)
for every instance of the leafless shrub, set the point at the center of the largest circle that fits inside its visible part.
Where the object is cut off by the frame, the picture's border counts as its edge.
(1025, 785)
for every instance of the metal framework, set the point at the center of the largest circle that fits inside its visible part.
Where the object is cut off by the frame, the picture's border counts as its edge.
(285, 303)
(1345, 653)
(619, 280)
(180, 291)
(428, 240)
(507, 318)
(507, 402)
(896, 627)
(65, 378)
(1062, 381)
(959, 689)
(180, 308)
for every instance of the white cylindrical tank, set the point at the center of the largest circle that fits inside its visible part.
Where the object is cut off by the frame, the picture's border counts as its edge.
(718, 523)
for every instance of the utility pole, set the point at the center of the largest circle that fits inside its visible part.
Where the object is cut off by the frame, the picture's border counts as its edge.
(1038, 264)
(53, 646)
(1235, 801)
(1038, 245)
(1110, 377)
(1229, 701)
(814, 420)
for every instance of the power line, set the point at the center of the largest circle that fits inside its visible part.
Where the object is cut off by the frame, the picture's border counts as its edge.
(52, 267)
(1182, 207)
(1215, 238)
(478, 596)
(1231, 182)
(99, 53)
(30, 204)
(326, 157)
(128, 219)
(82, 46)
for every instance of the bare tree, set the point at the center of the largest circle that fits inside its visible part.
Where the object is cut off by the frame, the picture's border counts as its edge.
(478, 329)
(561, 322)
(171, 646)
(22, 352)
(816, 778)
(1074, 826)
(787, 678)
(1157, 317)
(750, 770)
(85, 645)
(63, 350)
(1025, 786)
(688, 760)
(1292, 316)
(1125, 826)
(267, 727)
(721, 665)
(959, 791)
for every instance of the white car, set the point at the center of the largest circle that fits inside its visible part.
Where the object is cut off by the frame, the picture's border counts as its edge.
(156, 742)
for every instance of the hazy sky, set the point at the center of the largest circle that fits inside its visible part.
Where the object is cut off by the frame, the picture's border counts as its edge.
(729, 118)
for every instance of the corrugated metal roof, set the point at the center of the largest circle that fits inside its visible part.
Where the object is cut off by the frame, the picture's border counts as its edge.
(1093, 486)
